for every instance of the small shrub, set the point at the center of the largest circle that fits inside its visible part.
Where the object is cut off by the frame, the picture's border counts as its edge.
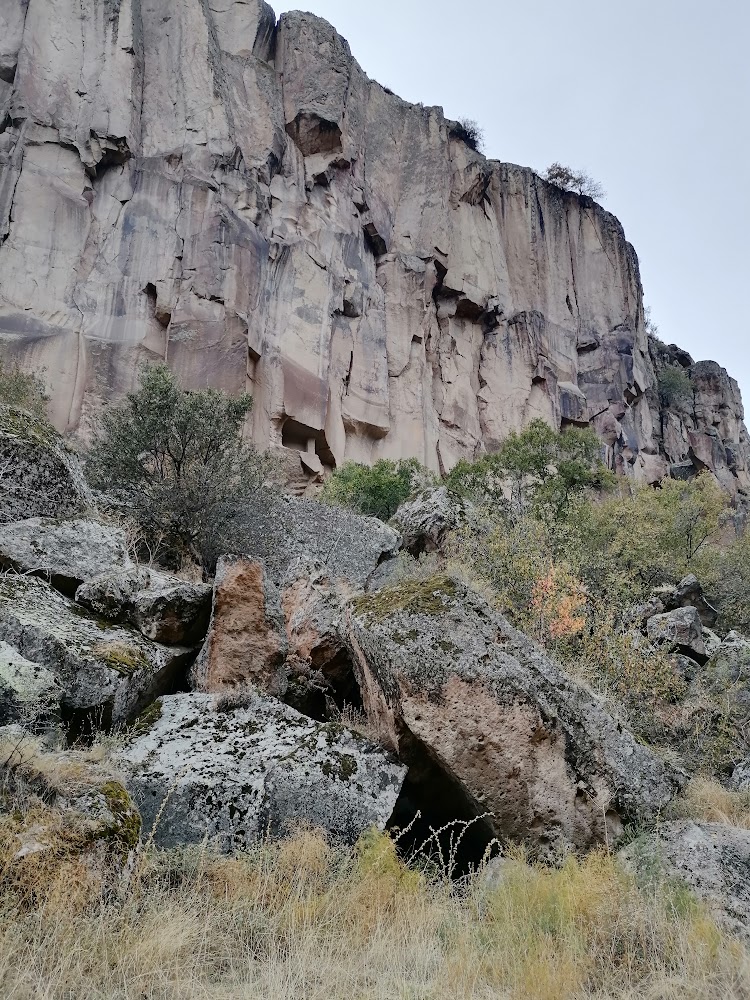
(375, 491)
(469, 132)
(675, 387)
(577, 181)
(24, 390)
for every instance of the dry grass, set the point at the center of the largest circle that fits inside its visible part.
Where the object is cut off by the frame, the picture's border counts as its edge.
(705, 800)
(303, 920)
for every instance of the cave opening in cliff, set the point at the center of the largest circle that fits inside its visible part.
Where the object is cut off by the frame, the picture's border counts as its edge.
(306, 440)
(434, 820)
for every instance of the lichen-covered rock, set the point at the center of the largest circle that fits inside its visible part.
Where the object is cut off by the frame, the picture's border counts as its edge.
(163, 608)
(107, 673)
(64, 551)
(65, 808)
(681, 630)
(29, 693)
(425, 521)
(740, 780)
(246, 642)
(38, 476)
(712, 859)
(451, 679)
(239, 773)
(348, 545)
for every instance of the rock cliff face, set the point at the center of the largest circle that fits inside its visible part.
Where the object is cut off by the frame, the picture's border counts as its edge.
(189, 180)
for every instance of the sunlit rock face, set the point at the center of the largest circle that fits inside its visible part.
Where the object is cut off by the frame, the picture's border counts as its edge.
(191, 180)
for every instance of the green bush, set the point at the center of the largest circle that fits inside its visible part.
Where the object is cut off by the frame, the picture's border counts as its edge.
(24, 390)
(675, 386)
(378, 490)
(176, 463)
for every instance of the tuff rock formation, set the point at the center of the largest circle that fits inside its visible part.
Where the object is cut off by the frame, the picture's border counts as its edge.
(193, 181)
(458, 689)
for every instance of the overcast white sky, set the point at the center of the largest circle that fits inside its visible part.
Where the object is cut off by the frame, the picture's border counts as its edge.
(651, 97)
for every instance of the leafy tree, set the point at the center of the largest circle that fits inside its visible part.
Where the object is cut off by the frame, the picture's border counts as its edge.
(24, 390)
(574, 180)
(375, 491)
(539, 466)
(175, 461)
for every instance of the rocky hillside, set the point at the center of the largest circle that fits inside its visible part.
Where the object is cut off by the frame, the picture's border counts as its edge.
(197, 182)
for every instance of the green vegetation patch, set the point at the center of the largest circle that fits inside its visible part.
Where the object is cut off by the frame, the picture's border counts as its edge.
(127, 826)
(126, 660)
(414, 597)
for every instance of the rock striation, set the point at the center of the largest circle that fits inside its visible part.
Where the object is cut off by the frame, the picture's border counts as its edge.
(200, 183)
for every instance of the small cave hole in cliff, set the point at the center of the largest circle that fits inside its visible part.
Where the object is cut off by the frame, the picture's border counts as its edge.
(434, 819)
(326, 689)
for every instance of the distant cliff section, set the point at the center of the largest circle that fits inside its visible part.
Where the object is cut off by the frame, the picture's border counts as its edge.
(193, 180)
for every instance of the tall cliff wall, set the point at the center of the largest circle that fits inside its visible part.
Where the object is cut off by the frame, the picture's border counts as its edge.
(189, 180)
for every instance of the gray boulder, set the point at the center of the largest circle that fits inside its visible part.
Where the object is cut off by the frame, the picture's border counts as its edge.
(454, 684)
(681, 630)
(29, 693)
(349, 546)
(712, 859)
(238, 770)
(108, 673)
(64, 551)
(426, 520)
(740, 780)
(38, 476)
(162, 607)
(689, 594)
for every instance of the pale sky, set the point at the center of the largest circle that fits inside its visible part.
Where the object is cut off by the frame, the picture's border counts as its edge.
(650, 97)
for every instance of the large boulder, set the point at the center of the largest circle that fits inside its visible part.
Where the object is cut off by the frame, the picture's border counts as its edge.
(246, 641)
(454, 684)
(238, 770)
(681, 630)
(29, 693)
(318, 661)
(38, 476)
(64, 551)
(107, 673)
(426, 520)
(689, 594)
(349, 546)
(162, 607)
(712, 859)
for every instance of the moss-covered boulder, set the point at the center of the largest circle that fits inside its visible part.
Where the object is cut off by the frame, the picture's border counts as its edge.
(108, 674)
(39, 477)
(235, 770)
(496, 722)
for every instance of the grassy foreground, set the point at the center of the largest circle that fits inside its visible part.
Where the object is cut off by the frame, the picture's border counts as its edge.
(303, 920)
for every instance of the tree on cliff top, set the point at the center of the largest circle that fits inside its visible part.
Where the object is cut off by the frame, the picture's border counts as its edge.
(574, 180)
(176, 463)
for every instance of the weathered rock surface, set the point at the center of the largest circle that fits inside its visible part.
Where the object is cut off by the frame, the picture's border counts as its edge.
(29, 693)
(349, 546)
(237, 774)
(681, 630)
(64, 551)
(163, 608)
(728, 674)
(189, 180)
(108, 674)
(246, 643)
(711, 858)
(455, 684)
(425, 521)
(38, 477)
(689, 594)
